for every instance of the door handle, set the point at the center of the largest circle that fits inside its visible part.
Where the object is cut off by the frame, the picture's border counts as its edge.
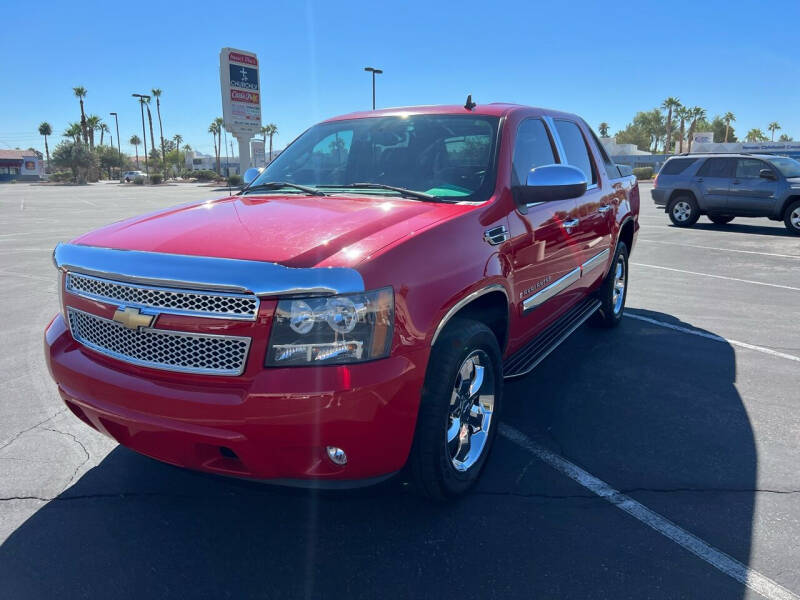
(604, 209)
(572, 223)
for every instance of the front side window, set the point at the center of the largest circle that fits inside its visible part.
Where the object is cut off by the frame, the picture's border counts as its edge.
(717, 167)
(577, 153)
(532, 149)
(446, 156)
(750, 168)
(787, 166)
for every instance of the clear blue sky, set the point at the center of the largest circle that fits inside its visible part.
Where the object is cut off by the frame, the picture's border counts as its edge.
(602, 60)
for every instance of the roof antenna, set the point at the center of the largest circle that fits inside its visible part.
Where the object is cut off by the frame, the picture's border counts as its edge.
(470, 104)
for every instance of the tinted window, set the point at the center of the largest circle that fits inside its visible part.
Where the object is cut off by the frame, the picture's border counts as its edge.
(717, 167)
(787, 166)
(676, 165)
(612, 169)
(532, 149)
(750, 168)
(577, 154)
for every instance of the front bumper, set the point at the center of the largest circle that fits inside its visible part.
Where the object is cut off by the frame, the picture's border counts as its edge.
(659, 197)
(272, 426)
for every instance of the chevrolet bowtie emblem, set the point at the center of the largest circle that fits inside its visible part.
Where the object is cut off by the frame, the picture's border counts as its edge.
(132, 318)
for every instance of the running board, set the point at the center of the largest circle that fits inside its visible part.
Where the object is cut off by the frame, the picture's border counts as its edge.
(524, 360)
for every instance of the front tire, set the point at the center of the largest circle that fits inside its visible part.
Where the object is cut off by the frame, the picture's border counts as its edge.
(792, 217)
(683, 211)
(459, 410)
(613, 291)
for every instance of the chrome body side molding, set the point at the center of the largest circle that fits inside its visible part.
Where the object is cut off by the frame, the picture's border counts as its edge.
(495, 287)
(564, 282)
(205, 273)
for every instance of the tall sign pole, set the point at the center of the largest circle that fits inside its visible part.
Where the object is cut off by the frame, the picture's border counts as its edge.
(241, 98)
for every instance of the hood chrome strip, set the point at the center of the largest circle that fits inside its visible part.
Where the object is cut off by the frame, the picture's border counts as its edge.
(206, 273)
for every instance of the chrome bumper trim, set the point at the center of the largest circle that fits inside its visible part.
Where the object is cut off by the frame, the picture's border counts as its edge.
(205, 273)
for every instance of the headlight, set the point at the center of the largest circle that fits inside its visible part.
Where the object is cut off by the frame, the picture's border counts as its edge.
(332, 330)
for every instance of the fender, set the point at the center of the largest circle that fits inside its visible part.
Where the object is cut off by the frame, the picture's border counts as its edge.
(494, 287)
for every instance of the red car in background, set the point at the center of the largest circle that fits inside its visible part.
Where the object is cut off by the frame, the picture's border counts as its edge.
(357, 307)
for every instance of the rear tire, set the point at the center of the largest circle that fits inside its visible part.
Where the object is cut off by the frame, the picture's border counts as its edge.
(459, 410)
(791, 217)
(683, 211)
(719, 219)
(613, 292)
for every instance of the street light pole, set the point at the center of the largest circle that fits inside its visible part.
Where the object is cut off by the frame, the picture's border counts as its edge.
(374, 72)
(142, 98)
(119, 147)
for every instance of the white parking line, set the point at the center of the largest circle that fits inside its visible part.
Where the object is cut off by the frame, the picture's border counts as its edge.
(716, 338)
(775, 285)
(713, 556)
(794, 256)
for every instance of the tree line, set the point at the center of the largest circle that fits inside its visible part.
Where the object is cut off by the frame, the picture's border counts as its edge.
(671, 128)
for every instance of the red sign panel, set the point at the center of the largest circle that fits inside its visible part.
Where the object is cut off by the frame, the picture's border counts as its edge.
(241, 58)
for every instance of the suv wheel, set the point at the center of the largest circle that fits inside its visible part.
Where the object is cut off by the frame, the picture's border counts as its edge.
(720, 219)
(683, 211)
(458, 414)
(613, 291)
(792, 217)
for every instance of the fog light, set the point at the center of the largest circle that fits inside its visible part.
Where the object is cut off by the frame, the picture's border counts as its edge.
(337, 455)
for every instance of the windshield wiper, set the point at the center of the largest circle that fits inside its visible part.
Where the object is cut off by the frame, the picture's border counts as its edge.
(276, 185)
(382, 186)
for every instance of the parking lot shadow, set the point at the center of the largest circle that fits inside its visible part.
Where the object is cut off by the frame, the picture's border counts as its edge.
(777, 229)
(652, 411)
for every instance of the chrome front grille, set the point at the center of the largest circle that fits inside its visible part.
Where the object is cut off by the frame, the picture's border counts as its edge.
(176, 301)
(160, 348)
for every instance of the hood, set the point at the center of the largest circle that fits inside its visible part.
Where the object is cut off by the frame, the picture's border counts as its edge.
(295, 231)
(793, 181)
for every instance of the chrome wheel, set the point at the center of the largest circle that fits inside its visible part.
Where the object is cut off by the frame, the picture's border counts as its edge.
(794, 218)
(620, 280)
(471, 409)
(682, 211)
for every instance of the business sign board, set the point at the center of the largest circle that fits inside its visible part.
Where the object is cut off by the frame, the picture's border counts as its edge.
(257, 152)
(703, 137)
(241, 92)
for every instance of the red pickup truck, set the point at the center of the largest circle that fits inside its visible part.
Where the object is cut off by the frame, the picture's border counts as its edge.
(357, 307)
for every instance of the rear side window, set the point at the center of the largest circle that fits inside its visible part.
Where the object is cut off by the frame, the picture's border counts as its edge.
(676, 165)
(532, 149)
(611, 167)
(717, 167)
(577, 154)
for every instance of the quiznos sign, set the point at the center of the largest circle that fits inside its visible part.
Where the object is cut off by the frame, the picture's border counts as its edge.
(241, 91)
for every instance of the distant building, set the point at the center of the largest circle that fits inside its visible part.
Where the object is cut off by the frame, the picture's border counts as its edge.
(197, 161)
(615, 149)
(22, 165)
(791, 149)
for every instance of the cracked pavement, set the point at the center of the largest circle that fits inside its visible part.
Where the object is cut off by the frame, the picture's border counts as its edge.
(703, 433)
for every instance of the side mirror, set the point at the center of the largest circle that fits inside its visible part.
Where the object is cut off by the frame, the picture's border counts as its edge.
(250, 175)
(766, 174)
(551, 182)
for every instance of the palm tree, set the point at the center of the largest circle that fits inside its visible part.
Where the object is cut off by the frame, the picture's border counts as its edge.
(219, 123)
(785, 138)
(683, 114)
(150, 120)
(669, 105)
(695, 114)
(272, 130)
(74, 131)
(135, 141)
(187, 148)
(214, 130)
(92, 125)
(157, 94)
(45, 130)
(178, 138)
(728, 118)
(103, 130)
(603, 128)
(756, 135)
(80, 94)
(773, 127)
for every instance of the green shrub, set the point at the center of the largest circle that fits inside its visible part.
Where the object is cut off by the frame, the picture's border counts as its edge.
(156, 178)
(204, 175)
(235, 180)
(138, 180)
(60, 176)
(643, 172)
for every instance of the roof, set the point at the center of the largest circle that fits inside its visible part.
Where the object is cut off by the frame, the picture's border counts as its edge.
(495, 109)
(16, 154)
(721, 155)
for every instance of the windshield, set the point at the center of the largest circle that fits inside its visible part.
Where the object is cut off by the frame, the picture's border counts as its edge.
(446, 156)
(787, 166)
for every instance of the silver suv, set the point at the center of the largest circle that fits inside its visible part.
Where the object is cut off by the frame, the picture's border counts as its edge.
(724, 186)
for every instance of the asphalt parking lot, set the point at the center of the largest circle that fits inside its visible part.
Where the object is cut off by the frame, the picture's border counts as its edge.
(688, 414)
